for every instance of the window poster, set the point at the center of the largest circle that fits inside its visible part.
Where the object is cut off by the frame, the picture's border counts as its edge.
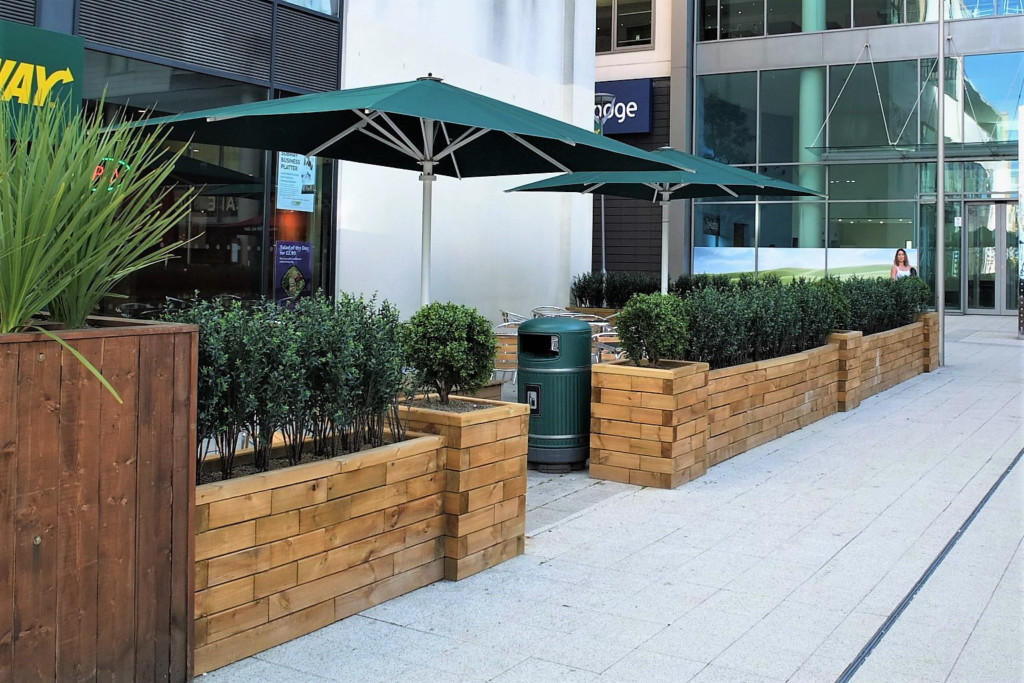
(293, 270)
(296, 182)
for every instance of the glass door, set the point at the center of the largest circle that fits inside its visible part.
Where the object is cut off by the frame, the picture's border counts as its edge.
(991, 253)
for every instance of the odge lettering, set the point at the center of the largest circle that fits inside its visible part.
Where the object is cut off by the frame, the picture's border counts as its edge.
(29, 83)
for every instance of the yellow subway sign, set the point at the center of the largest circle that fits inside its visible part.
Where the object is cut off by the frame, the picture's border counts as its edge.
(40, 68)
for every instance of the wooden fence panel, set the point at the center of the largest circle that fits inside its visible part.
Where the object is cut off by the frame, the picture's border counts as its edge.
(97, 505)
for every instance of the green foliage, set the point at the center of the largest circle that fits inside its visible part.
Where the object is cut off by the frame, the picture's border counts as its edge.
(326, 371)
(587, 290)
(67, 238)
(714, 332)
(619, 287)
(837, 302)
(685, 284)
(768, 318)
(652, 328)
(214, 380)
(815, 316)
(451, 347)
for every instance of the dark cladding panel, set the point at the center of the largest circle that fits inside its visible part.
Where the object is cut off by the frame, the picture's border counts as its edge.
(226, 35)
(632, 226)
(306, 53)
(21, 11)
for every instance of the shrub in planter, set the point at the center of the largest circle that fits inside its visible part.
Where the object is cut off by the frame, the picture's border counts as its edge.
(376, 387)
(713, 326)
(652, 328)
(912, 295)
(685, 284)
(872, 308)
(769, 320)
(816, 317)
(836, 300)
(620, 286)
(587, 290)
(450, 347)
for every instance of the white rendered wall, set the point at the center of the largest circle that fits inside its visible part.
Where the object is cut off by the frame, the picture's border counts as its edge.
(491, 249)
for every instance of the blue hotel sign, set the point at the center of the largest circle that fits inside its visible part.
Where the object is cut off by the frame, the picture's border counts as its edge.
(631, 110)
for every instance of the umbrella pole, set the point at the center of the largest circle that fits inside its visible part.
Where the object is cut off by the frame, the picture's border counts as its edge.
(427, 178)
(664, 242)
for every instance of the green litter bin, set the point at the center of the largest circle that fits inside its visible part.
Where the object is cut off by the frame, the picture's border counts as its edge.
(554, 380)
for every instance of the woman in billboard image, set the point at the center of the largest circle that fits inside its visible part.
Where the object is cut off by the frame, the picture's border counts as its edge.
(901, 266)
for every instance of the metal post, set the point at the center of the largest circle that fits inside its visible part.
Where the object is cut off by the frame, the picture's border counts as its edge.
(604, 260)
(940, 189)
(664, 242)
(427, 178)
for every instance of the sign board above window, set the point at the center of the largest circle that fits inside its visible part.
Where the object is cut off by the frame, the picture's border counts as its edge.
(630, 112)
(38, 67)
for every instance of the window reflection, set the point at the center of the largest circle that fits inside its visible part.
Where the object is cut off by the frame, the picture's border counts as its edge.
(855, 102)
(726, 117)
(325, 6)
(742, 18)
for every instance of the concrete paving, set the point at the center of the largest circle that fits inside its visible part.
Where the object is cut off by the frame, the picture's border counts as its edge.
(778, 565)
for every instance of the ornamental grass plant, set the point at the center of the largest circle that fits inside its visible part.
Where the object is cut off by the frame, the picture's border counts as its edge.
(81, 208)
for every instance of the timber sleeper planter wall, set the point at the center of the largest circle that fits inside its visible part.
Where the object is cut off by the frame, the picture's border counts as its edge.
(648, 425)
(96, 504)
(642, 419)
(283, 553)
(485, 498)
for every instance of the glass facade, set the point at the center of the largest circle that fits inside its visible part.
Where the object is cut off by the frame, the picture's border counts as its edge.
(325, 6)
(724, 19)
(624, 25)
(874, 158)
(236, 217)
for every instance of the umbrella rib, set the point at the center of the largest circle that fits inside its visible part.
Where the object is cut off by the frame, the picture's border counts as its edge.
(728, 190)
(394, 145)
(593, 188)
(354, 127)
(463, 140)
(448, 139)
(397, 132)
(546, 157)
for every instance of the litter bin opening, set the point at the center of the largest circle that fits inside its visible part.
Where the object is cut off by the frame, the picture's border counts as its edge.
(539, 346)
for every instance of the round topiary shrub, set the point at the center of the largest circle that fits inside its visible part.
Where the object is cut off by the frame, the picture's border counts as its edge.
(652, 327)
(450, 347)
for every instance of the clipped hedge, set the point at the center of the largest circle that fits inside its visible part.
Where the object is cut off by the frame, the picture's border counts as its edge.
(324, 371)
(760, 318)
(652, 327)
(594, 290)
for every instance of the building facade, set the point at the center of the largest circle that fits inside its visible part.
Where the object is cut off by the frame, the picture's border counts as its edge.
(358, 225)
(841, 97)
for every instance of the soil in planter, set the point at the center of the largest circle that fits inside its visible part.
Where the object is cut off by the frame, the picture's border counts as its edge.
(454, 406)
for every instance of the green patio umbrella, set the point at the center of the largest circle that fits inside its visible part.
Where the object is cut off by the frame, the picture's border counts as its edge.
(423, 125)
(689, 178)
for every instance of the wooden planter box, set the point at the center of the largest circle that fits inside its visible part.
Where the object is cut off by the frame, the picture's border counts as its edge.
(485, 499)
(648, 425)
(644, 419)
(600, 312)
(96, 504)
(283, 553)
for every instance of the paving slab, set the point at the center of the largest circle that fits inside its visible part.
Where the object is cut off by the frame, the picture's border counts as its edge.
(779, 564)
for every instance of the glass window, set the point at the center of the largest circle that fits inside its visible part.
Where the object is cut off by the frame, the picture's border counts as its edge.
(786, 16)
(876, 12)
(926, 254)
(724, 238)
(954, 180)
(742, 18)
(1010, 6)
(858, 120)
(604, 25)
(792, 115)
(992, 91)
(929, 98)
(708, 20)
(990, 178)
(726, 117)
(972, 9)
(624, 24)
(922, 10)
(837, 14)
(871, 224)
(810, 176)
(793, 225)
(325, 6)
(873, 181)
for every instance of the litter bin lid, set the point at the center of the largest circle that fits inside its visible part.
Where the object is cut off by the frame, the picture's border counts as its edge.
(554, 326)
